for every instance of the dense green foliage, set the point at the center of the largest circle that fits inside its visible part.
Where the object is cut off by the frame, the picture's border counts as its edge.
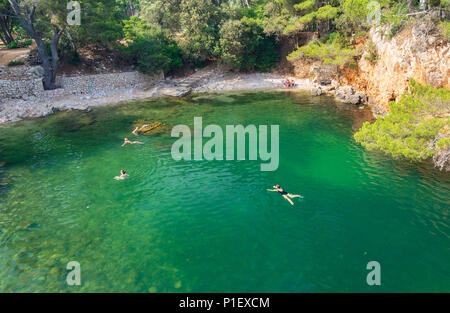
(243, 34)
(101, 22)
(200, 29)
(149, 47)
(227, 31)
(13, 44)
(19, 43)
(335, 51)
(349, 18)
(243, 45)
(413, 123)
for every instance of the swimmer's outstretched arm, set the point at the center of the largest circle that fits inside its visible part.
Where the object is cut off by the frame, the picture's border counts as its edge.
(272, 190)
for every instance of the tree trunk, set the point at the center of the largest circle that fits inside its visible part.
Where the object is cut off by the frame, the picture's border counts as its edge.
(423, 5)
(49, 63)
(131, 9)
(6, 30)
(55, 58)
(410, 6)
(316, 5)
(49, 79)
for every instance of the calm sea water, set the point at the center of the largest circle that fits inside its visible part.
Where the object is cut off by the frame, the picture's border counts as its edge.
(212, 226)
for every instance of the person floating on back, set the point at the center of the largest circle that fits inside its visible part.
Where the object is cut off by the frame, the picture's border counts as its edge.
(285, 194)
(123, 175)
(127, 141)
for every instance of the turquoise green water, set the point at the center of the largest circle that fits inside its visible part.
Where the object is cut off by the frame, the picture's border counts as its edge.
(212, 226)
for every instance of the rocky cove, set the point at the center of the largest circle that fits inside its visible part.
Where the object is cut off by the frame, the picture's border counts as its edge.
(418, 52)
(232, 177)
(24, 97)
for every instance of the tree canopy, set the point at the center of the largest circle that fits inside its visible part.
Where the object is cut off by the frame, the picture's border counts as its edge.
(412, 124)
(244, 34)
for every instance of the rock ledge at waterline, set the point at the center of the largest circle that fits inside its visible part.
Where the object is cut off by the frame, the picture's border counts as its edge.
(25, 98)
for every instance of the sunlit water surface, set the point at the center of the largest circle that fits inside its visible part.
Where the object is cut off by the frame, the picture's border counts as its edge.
(212, 226)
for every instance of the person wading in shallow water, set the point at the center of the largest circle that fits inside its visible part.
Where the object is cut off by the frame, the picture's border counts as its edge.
(285, 194)
(127, 141)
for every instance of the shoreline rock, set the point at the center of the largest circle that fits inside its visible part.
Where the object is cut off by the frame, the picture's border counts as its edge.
(347, 94)
(26, 98)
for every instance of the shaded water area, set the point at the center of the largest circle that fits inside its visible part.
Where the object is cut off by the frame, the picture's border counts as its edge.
(204, 226)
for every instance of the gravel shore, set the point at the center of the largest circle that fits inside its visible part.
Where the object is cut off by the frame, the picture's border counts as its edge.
(25, 98)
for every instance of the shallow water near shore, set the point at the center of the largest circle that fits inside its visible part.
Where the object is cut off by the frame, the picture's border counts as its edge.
(199, 226)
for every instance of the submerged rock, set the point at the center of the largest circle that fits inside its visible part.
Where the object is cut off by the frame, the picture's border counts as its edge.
(71, 121)
(28, 226)
(152, 129)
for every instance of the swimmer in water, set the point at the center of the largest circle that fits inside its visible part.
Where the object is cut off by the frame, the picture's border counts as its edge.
(127, 141)
(137, 130)
(123, 175)
(285, 194)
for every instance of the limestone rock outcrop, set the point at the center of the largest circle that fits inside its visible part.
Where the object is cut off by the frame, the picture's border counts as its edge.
(419, 52)
(348, 94)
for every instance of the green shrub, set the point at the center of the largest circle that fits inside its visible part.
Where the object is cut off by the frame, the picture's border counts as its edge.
(326, 12)
(335, 51)
(445, 29)
(412, 124)
(15, 63)
(305, 5)
(372, 55)
(149, 48)
(13, 44)
(396, 19)
(361, 34)
(74, 58)
(244, 46)
(19, 43)
(200, 20)
(443, 143)
(26, 43)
